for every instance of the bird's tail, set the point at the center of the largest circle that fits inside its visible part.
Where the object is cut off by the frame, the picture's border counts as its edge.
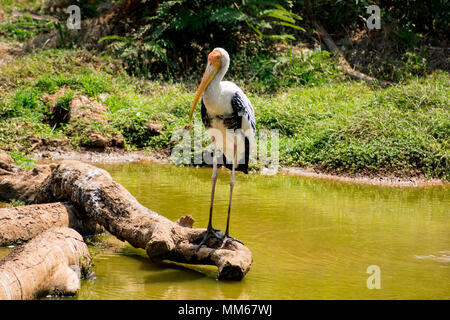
(241, 166)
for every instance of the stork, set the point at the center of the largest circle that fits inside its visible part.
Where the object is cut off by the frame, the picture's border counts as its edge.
(229, 119)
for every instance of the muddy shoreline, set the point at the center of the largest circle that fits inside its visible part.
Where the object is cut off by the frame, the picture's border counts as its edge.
(162, 157)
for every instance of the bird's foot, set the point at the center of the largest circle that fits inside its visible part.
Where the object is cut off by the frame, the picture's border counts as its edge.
(211, 233)
(229, 239)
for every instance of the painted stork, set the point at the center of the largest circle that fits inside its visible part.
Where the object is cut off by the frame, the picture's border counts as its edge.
(229, 119)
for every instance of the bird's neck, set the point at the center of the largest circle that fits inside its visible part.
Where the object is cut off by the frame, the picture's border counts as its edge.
(214, 86)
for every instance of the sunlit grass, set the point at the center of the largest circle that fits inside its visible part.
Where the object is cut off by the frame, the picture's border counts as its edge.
(335, 125)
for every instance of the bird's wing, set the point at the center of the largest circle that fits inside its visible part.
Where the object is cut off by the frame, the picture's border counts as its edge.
(243, 111)
(205, 117)
(243, 118)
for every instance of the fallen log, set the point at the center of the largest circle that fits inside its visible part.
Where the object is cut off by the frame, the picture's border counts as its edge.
(21, 224)
(21, 185)
(53, 262)
(109, 204)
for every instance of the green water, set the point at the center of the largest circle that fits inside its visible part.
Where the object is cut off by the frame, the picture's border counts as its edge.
(310, 239)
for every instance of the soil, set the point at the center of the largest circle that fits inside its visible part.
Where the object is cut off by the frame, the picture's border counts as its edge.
(100, 155)
(9, 51)
(370, 179)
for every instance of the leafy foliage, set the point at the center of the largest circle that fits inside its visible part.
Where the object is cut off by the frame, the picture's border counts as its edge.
(266, 71)
(431, 16)
(166, 40)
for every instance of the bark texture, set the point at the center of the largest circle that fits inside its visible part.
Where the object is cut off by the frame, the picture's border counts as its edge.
(21, 224)
(50, 263)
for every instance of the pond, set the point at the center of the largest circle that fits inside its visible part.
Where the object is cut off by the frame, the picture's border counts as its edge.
(310, 239)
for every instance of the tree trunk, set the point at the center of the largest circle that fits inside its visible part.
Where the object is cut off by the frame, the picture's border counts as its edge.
(21, 224)
(50, 263)
(109, 204)
(343, 62)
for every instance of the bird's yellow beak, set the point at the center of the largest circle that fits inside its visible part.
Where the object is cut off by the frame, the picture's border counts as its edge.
(211, 69)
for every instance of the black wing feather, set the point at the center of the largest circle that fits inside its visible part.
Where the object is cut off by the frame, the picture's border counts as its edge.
(241, 108)
(205, 117)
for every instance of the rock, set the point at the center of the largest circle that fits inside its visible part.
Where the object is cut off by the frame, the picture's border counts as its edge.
(82, 107)
(5, 160)
(86, 119)
(96, 140)
(186, 221)
(155, 128)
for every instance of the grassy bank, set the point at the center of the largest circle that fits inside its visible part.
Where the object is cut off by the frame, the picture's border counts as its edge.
(328, 122)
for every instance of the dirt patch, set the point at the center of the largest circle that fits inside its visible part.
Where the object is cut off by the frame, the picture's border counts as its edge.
(155, 128)
(9, 52)
(82, 107)
(108, 155)
(418, 181)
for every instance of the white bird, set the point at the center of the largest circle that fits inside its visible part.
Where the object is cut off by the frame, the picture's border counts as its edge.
(229, 119)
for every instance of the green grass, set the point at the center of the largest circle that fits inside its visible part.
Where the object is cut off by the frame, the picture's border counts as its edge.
(22, 160)
(24, 28)
(323, 119)
(9, 5)
(17, 203)
(354, 128)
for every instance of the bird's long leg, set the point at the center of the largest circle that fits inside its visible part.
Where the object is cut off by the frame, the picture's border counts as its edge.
(210, 231)
(214, 180)
(231, 187)
(231, 193)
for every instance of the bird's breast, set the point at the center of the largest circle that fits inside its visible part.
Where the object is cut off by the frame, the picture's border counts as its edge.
(217, 99)
(217, 105)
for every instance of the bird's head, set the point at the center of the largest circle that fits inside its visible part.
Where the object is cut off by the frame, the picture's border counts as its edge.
(218, 60)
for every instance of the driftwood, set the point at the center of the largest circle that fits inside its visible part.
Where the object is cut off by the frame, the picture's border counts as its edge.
(50, 263)
(323, 34)
(110, 205)
(21, 224)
